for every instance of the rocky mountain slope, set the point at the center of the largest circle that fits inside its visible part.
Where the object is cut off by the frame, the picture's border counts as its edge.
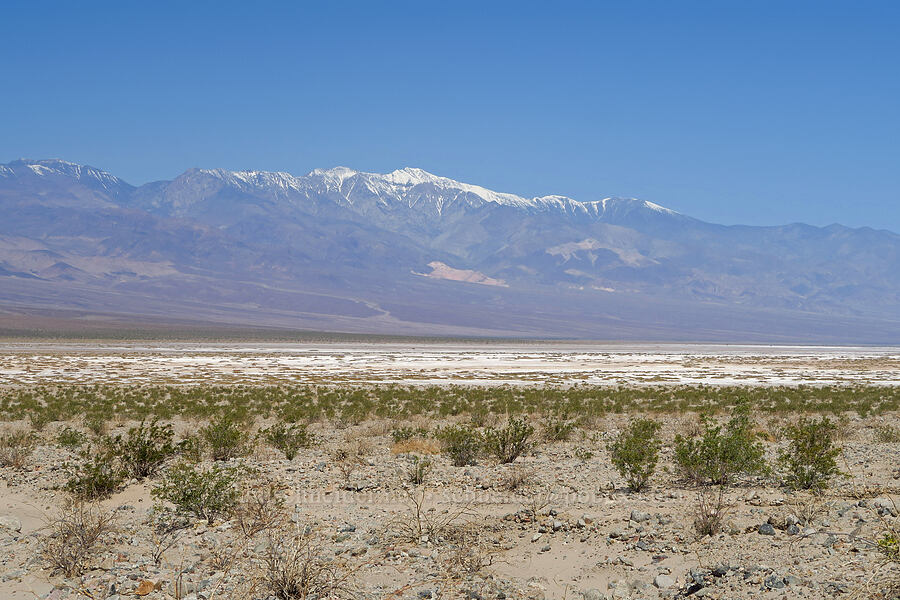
(412, 252)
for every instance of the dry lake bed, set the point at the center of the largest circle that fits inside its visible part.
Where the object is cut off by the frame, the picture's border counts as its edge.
(465, 363)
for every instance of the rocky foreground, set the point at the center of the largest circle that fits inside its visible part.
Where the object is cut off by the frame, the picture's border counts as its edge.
(345, 519)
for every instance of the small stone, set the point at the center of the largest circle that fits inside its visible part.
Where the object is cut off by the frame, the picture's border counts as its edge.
(145, 587)
(774, 582)
(11, 523)
(766, 529)
(639, 517)
(885, 507)
(664, 582)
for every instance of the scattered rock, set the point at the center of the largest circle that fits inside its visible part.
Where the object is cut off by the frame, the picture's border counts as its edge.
(639, 517)
(663, 582)
(11, 523)
(145, 587)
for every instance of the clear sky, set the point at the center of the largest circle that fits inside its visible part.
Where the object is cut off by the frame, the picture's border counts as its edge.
(760, 112)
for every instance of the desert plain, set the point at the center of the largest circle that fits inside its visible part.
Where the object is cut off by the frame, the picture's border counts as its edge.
(370, 504)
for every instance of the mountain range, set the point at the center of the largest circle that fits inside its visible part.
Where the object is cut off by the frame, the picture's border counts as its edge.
(413, 253)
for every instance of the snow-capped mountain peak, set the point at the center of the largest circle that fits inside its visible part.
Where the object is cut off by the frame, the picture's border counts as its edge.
(57, 167)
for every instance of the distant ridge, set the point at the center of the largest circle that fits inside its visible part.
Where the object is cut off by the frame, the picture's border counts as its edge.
(409, 252)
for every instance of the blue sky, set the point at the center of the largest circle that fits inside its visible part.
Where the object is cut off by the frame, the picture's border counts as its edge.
(734, 112)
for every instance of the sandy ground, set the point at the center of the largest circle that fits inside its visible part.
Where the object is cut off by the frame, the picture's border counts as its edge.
(570, 530)
(591, 538)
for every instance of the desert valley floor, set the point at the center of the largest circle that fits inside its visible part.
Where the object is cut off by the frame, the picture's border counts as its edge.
(464, 363)
(371, 505)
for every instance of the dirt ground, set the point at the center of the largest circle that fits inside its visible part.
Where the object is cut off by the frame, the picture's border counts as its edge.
(556, 523)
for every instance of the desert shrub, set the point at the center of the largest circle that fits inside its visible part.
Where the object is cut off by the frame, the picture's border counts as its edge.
(418, 471)
(508, 443)
(583, 454)
(482, 416)
(709, 512)
(720, 453)
(260, 508)
(144, 448)
(16, 446)
(421, 523)
(288, 438)
(889, 545)
(225, 438)
(95, 424)
(40, 418)
(417, 446)
(351, 455)
(75, 537)
(71, 438)
(203, 493)
(192, 447)
(635, 452)
(164, 529)
(558, 428)
(516, 478)
(463, 444)
(887, 434)
(296, 567)
(810, 460)
(97, 476)
(404, 434)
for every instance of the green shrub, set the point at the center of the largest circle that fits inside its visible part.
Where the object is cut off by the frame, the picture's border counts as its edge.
(97, 476)
(226, 438)
(508, 443)
(419, 470)
(635, 452)
(583, 454)
(203, 493)
(39, 419)
(95, 424)
(462, 443)
(288, 438)
(889, 545)
(404, 434)
(144, 448)
(71, 438)
(558, 428)
(721, 453)
(15, 447)
(192, 447)
(810, 459)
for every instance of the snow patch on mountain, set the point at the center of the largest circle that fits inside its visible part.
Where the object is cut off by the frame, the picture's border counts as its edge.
(407, 188)
(57, 167)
